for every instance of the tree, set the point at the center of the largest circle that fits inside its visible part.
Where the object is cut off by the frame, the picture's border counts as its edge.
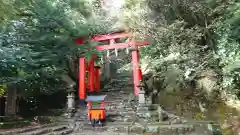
(189, 37)
(38, 42)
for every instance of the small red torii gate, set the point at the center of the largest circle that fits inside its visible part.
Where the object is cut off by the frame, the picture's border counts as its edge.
(94, 71)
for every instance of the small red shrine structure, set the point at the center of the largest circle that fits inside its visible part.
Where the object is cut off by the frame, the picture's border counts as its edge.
(93, 83)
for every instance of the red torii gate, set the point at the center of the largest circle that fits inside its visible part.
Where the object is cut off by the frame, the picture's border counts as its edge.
(94, 71)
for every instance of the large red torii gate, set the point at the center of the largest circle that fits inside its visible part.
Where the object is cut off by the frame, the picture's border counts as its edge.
(94, 71)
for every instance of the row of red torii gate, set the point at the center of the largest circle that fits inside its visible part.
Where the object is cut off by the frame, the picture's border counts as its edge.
(93, 72)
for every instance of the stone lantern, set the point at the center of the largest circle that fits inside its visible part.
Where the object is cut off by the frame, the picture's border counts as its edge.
(70, 100)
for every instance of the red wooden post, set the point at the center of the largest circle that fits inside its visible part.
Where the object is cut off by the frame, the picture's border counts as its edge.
(82, 75)
(102, 105)
(88, 81)
(135, 63)
(140, 74)
(87, 75)
(97, 78)
(91, 75)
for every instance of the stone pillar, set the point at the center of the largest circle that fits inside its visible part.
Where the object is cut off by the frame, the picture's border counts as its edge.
(70, 103)
(71, 100)
(141, 94)
(160, 113)
(141, 97)
(155, 97)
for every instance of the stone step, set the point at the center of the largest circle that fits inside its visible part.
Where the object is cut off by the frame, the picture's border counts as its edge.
(127, 127)
(121, 123)
(115, 120)
(72, 120)
(119, 109)
(148, 113)
(121, 113)
(113, 101)
(117, 102)
(149, 106)
(139, 109)
(61, 132)
(45, 130)
(28, 129)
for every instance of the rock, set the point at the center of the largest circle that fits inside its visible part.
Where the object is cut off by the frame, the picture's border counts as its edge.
(128, 119)
(207, 82)
(131, 98)
(176, 121)
(152, 129)
(137, 129)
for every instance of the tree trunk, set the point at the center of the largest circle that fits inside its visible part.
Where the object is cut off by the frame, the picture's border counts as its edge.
(72, 65)
(11, 102)
(2, 106)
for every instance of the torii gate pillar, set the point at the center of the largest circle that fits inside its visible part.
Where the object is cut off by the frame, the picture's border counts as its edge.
(82, 75)
(135, 69)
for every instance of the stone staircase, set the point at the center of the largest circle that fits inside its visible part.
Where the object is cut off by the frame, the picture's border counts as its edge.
(125, 115)
(47, 129)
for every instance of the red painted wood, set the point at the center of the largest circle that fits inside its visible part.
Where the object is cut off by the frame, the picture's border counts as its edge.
(82, 75)
(102, 105)
(135, 64)
(89, 105)
(91, 75)
(87, 86)
(80, 40)
(140, 74)
(110, 36)
(97, 79)
(87, 68)
(120, 45)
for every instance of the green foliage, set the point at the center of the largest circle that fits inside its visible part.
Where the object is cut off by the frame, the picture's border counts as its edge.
(228, 43)
(182, 39)
(2, 89)
(7, 11)
(189, 37)
(38, 39)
